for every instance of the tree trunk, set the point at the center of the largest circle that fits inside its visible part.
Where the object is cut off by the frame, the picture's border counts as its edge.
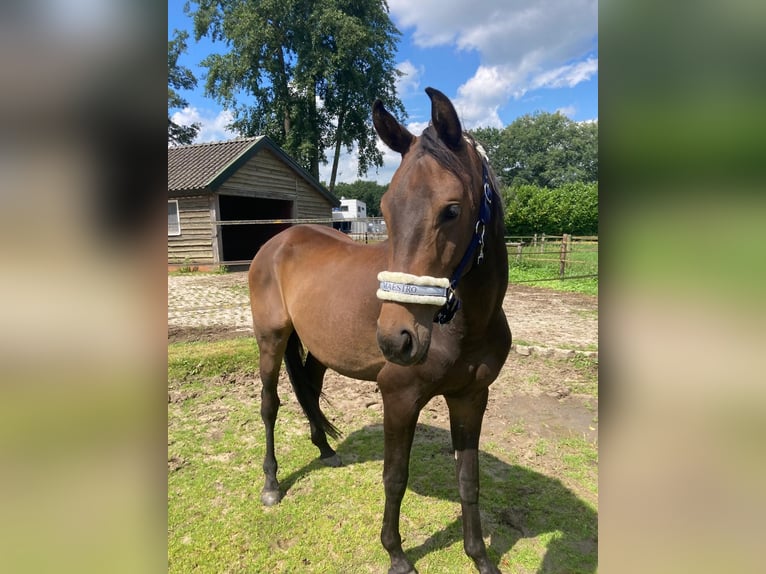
(315, 132)
(285, 91)
(336, 155)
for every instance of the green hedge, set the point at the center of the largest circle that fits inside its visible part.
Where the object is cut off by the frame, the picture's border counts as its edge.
(571, 208)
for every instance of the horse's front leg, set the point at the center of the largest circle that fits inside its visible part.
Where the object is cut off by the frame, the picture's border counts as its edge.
(466, 414)
(400, 416)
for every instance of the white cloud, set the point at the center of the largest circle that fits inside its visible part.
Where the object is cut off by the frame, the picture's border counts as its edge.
(566, 76)
(503, 31)
(523, 45)
(409, 83)
(415, 128)
(213, 127)
(481, 96)
(567, 111)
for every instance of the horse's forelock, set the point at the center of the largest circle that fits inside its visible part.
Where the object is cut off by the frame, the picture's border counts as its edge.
(431, 144)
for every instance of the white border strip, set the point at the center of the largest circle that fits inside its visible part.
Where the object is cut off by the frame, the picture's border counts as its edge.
(417, 280)
(405, 298)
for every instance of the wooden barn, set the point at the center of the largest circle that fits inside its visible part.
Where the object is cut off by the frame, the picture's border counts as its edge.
(236, 180)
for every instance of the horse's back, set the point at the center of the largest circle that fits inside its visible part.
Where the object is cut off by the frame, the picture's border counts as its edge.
(317, 281)
(296, 247)
(267, 270)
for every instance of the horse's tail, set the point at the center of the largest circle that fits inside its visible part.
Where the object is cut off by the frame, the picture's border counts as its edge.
(307, 389)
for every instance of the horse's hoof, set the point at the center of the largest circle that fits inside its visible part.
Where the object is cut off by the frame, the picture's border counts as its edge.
(270, 497)
(408, 569)
(332, 461)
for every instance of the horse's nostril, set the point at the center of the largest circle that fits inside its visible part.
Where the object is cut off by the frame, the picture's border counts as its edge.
(406, 342)
(398, 348)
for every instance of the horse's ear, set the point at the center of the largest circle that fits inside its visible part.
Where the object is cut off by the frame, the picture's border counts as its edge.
(393, 134)
(444, 119)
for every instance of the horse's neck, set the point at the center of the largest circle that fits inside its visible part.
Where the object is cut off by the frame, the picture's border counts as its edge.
(484, 286)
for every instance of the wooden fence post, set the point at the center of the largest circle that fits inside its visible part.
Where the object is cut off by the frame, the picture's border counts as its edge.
(518, 252)
(534, 241)
(542, 243)
(563, 254)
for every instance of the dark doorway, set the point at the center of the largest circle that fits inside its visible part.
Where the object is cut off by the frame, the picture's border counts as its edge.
(242, 242)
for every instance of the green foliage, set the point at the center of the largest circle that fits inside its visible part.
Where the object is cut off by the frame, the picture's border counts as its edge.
(368, 191)
(571, 208)
(284, 56)
(179, 78)
(542, 149)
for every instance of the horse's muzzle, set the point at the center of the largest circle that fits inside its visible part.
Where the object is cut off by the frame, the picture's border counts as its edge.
(403, 344)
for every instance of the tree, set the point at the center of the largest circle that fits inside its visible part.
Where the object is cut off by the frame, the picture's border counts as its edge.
(179, 78)
(303, 72)
(368, 191)
(543, 149)
(362, 45)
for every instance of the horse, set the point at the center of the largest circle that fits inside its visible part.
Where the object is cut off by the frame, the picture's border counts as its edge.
(419, 313)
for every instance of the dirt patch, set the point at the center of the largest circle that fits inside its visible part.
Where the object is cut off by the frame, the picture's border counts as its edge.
(547, 318)
(533, 398)
(177, 334)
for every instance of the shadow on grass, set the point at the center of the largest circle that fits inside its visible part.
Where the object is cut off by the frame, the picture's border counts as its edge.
(515, 502)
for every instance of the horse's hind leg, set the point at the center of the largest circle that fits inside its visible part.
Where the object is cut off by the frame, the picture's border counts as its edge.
(316, 371)
(307, 378)
(271, 349)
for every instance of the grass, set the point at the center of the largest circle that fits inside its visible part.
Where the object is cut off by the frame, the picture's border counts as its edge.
(541, 269)
(199, 360)
(528, 343)
(535, 518)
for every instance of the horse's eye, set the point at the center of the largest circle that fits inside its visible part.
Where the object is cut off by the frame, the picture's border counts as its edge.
(451, 212)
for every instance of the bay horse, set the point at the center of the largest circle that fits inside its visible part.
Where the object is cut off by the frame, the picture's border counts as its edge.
(320, 300)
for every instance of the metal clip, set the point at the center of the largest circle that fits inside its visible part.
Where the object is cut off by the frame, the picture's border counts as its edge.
(448, 310)
(480, 258)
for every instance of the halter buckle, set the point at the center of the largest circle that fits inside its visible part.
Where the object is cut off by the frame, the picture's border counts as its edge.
(445, 314)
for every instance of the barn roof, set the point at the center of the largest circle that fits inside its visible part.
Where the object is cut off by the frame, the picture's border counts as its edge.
(206, 166)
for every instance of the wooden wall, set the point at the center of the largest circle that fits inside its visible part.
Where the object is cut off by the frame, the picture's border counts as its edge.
(196, 240)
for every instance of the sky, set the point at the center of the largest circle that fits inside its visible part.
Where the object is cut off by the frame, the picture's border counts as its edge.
(495, 59)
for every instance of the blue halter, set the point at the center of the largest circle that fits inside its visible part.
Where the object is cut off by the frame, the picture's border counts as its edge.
(447, 311)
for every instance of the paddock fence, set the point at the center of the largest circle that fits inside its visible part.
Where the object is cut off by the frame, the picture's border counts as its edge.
(555, 257)
(363, 229)
(559, 256)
